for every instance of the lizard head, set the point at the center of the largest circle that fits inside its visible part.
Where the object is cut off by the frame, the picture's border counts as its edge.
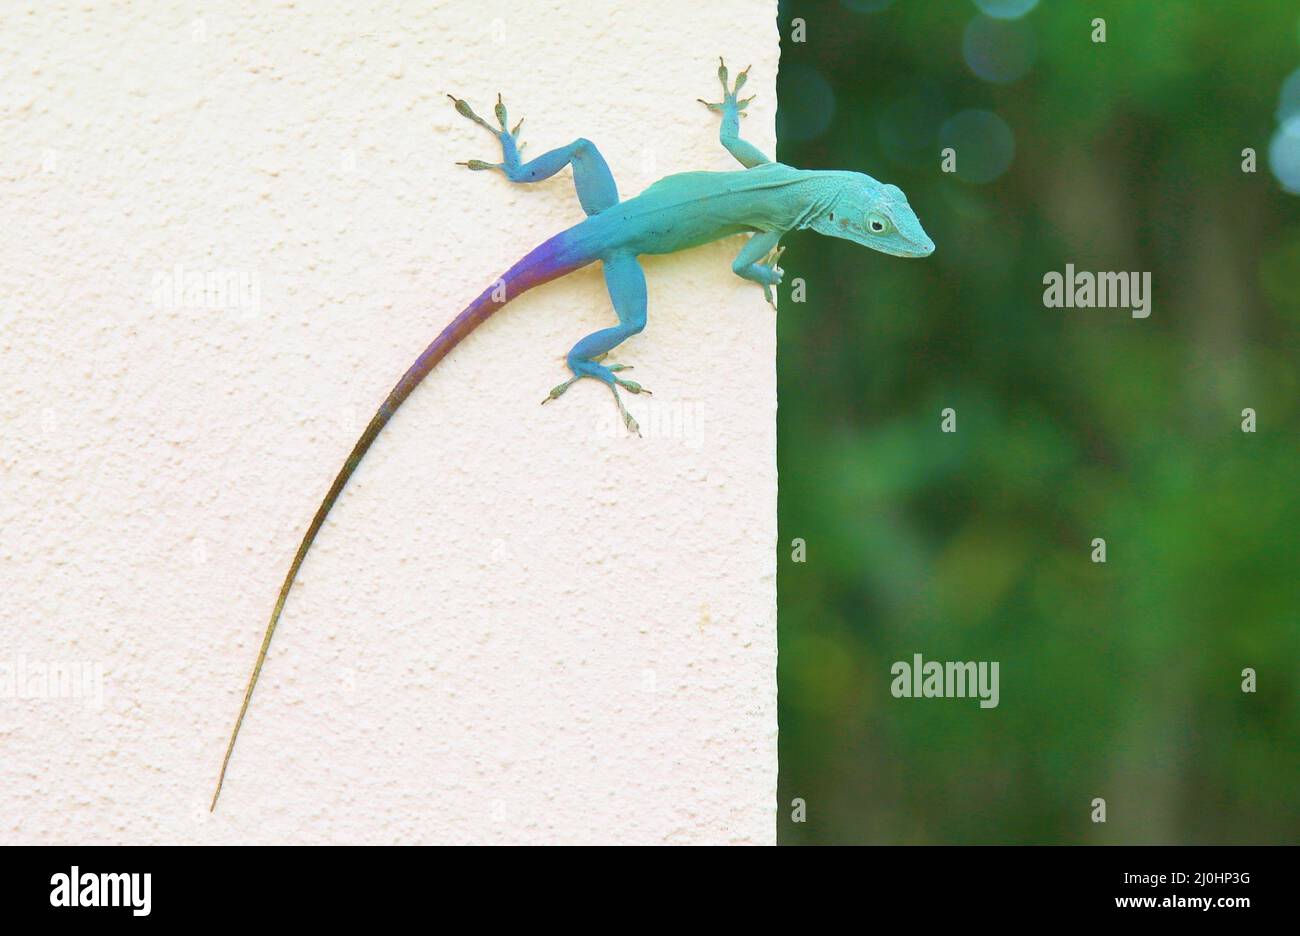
(877, 216)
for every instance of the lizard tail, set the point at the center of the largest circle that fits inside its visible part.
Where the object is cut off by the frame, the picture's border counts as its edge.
(550, 260)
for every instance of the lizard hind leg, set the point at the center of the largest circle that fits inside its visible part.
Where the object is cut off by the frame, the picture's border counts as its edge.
(591, 176)
(626, 283)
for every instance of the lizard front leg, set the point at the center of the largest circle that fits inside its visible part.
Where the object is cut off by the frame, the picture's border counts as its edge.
(756, 262)
(731, 106)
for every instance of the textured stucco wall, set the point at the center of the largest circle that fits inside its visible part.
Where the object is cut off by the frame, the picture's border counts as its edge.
(520, 624)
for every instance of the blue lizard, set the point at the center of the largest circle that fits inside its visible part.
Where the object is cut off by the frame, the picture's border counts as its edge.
(766, 200)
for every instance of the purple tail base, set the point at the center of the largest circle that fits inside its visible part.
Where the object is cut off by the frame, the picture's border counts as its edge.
(549, 261)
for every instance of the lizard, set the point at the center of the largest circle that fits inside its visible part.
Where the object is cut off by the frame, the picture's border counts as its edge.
(764, 199)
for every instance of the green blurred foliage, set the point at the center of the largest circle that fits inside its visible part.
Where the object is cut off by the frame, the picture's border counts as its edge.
(1120, 680)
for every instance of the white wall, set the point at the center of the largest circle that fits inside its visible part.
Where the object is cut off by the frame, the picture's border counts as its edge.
(520, 624)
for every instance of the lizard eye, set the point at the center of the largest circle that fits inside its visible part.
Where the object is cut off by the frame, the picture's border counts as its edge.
(878, 224)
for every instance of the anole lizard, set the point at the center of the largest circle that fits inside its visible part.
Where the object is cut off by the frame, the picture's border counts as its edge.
(766, 199)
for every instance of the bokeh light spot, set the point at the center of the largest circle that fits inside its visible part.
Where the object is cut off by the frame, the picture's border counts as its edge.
(1288, 101)
(1284, 155)
(910, 125)
(804, 84)
(866, 6)
(984, 143)
(1000, 51)
(1005, 9)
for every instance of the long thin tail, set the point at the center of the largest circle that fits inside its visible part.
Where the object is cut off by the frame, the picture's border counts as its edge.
(545, 263)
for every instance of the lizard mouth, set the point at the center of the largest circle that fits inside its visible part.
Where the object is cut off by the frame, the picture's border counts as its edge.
(909, 249)
(920, 248)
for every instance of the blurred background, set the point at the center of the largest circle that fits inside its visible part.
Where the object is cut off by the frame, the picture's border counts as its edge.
(1119, 680)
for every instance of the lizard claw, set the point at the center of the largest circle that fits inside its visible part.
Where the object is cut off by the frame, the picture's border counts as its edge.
(463, 108)
(628, 421)
(776, 274)
(772, 259)
(631, 386)
(558, 391)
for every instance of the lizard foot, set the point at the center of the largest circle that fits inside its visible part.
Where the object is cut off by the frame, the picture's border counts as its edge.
(510, 145)
(606, 374)
(769, 262)
(729, 95)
